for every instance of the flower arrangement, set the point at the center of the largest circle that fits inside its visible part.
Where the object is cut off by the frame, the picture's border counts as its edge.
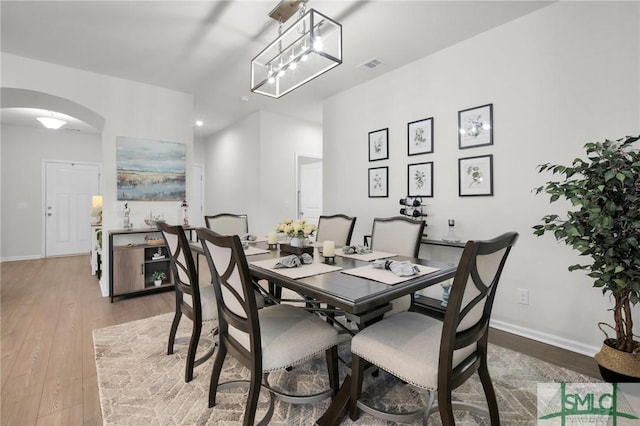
(296, 229)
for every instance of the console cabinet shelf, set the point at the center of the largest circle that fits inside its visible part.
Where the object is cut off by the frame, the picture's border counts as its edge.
(132, 263)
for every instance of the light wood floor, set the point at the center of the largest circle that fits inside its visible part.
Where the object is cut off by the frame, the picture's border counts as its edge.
(48, 312)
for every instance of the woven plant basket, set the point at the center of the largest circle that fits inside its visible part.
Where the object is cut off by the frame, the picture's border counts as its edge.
(617, 361)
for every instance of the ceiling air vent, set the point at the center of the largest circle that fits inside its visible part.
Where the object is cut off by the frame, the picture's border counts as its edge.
(370, 64)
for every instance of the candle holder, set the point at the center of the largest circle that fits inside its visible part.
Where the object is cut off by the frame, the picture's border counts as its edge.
(329, 259)
(273, 246)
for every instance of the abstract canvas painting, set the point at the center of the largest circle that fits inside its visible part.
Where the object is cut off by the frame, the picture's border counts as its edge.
(150, 170)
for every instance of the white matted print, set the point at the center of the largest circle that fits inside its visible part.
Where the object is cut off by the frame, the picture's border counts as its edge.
(379, 145)
(420, 180)
(420, 136)
(475, 175)
(475, 127)
(378, 182)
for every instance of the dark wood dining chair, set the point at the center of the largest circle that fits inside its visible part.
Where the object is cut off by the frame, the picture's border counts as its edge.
(402, 236)
(434, 355)
(194, 302)
(265, 340)
(337, 227)
(228, 223)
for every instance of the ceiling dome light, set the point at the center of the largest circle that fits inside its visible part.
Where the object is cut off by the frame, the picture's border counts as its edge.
(51, 122)
(199, 123)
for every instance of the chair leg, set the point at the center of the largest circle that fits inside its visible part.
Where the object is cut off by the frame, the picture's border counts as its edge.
(487, 385)
(191, 353)
(445, 408)
(174, 329)
(252, 399)
(215, 374)
(357, 374)
(332, 365)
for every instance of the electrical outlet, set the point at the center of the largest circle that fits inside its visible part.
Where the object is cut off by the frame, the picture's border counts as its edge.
(523, 296)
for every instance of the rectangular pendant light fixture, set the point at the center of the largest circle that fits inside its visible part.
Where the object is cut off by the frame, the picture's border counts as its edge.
(307, 49)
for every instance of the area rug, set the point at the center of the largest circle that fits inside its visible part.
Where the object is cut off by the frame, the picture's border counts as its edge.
(140, 384)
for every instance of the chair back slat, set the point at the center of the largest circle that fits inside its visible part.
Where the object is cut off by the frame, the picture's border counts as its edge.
(338, 228)
(237, 308)
(228, 223)
(399, 235)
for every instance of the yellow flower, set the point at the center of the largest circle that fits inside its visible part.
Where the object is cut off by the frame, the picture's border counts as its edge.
(308, 229)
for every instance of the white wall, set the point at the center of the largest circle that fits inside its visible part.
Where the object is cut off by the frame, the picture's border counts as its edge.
(23, 152)
(250, 167)
(563, 76)
(129, 108)
(233, 169)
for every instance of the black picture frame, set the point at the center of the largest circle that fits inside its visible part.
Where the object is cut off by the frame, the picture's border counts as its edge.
(475, 127)
(420, 179)
(475, 176)
(420, 136)
(379, 144)
(378, 182)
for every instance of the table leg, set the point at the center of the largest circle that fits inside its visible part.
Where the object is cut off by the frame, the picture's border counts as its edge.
(339, 405)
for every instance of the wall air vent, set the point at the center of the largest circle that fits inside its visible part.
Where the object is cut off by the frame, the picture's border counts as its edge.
(370, 64)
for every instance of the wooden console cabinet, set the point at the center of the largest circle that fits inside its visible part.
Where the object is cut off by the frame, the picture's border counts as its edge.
(132, 263)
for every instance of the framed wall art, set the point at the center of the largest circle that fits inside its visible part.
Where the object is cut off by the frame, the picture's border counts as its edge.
(420, 179)
(475, 127)
(420, 136)
(475, 176)
(150, 170)
(379, 145)
(378, 182)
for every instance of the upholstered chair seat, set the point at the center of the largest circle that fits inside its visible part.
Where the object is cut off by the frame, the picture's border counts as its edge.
(289, 335)
(207, 302)
(403, 345)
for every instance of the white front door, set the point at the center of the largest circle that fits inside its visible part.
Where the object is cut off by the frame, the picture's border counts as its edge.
(310, 190)
(68, 191)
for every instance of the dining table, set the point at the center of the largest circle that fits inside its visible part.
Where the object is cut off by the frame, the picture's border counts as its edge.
(346, 283)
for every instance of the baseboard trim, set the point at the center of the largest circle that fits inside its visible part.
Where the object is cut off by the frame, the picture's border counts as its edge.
(570, 345)
(17, 258)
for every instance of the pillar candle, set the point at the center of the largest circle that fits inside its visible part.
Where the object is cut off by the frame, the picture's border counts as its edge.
(328, 248)
(272, 238)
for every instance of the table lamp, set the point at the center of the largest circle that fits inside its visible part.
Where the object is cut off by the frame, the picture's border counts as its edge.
(96, 208)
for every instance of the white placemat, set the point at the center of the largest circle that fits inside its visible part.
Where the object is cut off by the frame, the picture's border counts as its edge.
(254, 250)
(374, 255)
(386, 276)
(315, 268)
(259, 240)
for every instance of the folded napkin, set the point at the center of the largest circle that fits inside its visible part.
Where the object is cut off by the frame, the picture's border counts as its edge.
(401, 269)
(356, 249)
(293, 261)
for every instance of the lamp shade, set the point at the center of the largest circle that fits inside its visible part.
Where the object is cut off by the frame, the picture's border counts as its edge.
(307, 49)
(96, 204)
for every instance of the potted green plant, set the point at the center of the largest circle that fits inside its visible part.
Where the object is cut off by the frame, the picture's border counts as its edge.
(605, 226)
(158, 276)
